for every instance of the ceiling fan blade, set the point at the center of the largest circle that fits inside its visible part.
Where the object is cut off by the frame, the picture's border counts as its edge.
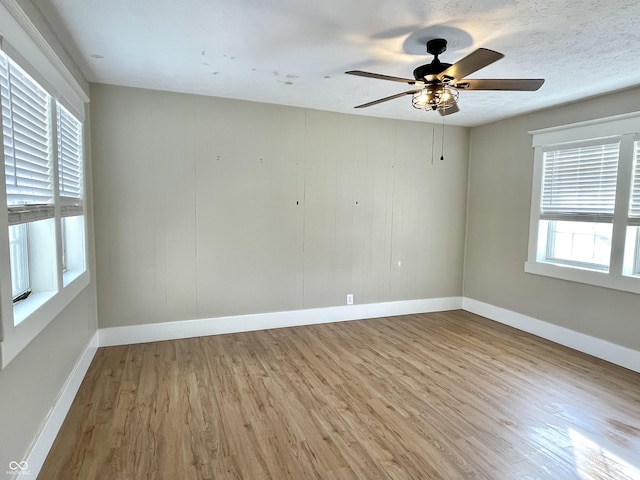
(521, 84)
(469, 64)
(386, 99)
(448, 111)
(360, 73)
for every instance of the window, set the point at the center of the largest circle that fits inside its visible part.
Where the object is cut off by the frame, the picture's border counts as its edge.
(632, 249)
(43, 263)
(70, 192)
(585, 209)
(42, 146)
(578, 200)
(27, 160)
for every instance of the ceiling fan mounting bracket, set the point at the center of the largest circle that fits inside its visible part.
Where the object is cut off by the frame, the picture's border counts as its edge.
(436, 46)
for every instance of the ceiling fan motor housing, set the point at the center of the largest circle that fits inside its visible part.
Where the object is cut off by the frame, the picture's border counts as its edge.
(428, 72)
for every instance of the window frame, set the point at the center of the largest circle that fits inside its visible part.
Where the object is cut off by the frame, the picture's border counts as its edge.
(627, 128)
(41, 308)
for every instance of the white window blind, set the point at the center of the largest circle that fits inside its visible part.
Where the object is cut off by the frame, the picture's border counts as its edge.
(634, 207)
(579, 183)
(69, 162)
(26, 139)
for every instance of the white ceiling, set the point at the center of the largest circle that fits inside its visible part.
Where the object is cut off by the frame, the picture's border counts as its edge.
(295, 52)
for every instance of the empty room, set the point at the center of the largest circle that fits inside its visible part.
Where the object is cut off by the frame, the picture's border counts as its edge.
(331, 240)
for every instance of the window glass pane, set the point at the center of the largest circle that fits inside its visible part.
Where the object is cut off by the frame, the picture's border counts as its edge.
(636, 259)
(19, 253)
(63, 232)
(582, 244)
(73, 247)
(631, 261)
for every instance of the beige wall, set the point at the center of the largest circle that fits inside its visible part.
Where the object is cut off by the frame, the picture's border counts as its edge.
(500, 175)
(208, 207)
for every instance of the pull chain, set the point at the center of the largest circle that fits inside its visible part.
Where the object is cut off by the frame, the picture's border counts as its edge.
(442, 154)
(433, 142)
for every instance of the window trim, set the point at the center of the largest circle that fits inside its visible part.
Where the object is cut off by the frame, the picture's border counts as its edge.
(627, 128)
(21, 41)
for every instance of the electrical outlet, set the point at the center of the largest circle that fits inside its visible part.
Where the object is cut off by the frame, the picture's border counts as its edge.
(349, 298)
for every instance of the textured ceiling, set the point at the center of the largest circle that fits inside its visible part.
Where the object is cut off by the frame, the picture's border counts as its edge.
(295, 52)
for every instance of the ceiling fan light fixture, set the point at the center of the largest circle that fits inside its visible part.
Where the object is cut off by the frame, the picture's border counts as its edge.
(435, 97)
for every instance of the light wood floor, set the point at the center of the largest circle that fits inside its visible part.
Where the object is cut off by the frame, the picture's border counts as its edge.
(434, 396)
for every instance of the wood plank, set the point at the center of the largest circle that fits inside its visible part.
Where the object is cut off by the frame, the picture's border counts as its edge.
(441, 396)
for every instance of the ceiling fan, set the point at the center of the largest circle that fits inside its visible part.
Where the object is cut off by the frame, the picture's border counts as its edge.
(437, 84)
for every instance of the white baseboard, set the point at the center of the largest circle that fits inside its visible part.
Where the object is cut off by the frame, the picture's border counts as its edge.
(597, 347)
(262, 321)
(44, 441)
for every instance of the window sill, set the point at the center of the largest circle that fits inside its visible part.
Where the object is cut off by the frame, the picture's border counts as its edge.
(32, 315)
(29, 305)
(585, 276)
(69, 276)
